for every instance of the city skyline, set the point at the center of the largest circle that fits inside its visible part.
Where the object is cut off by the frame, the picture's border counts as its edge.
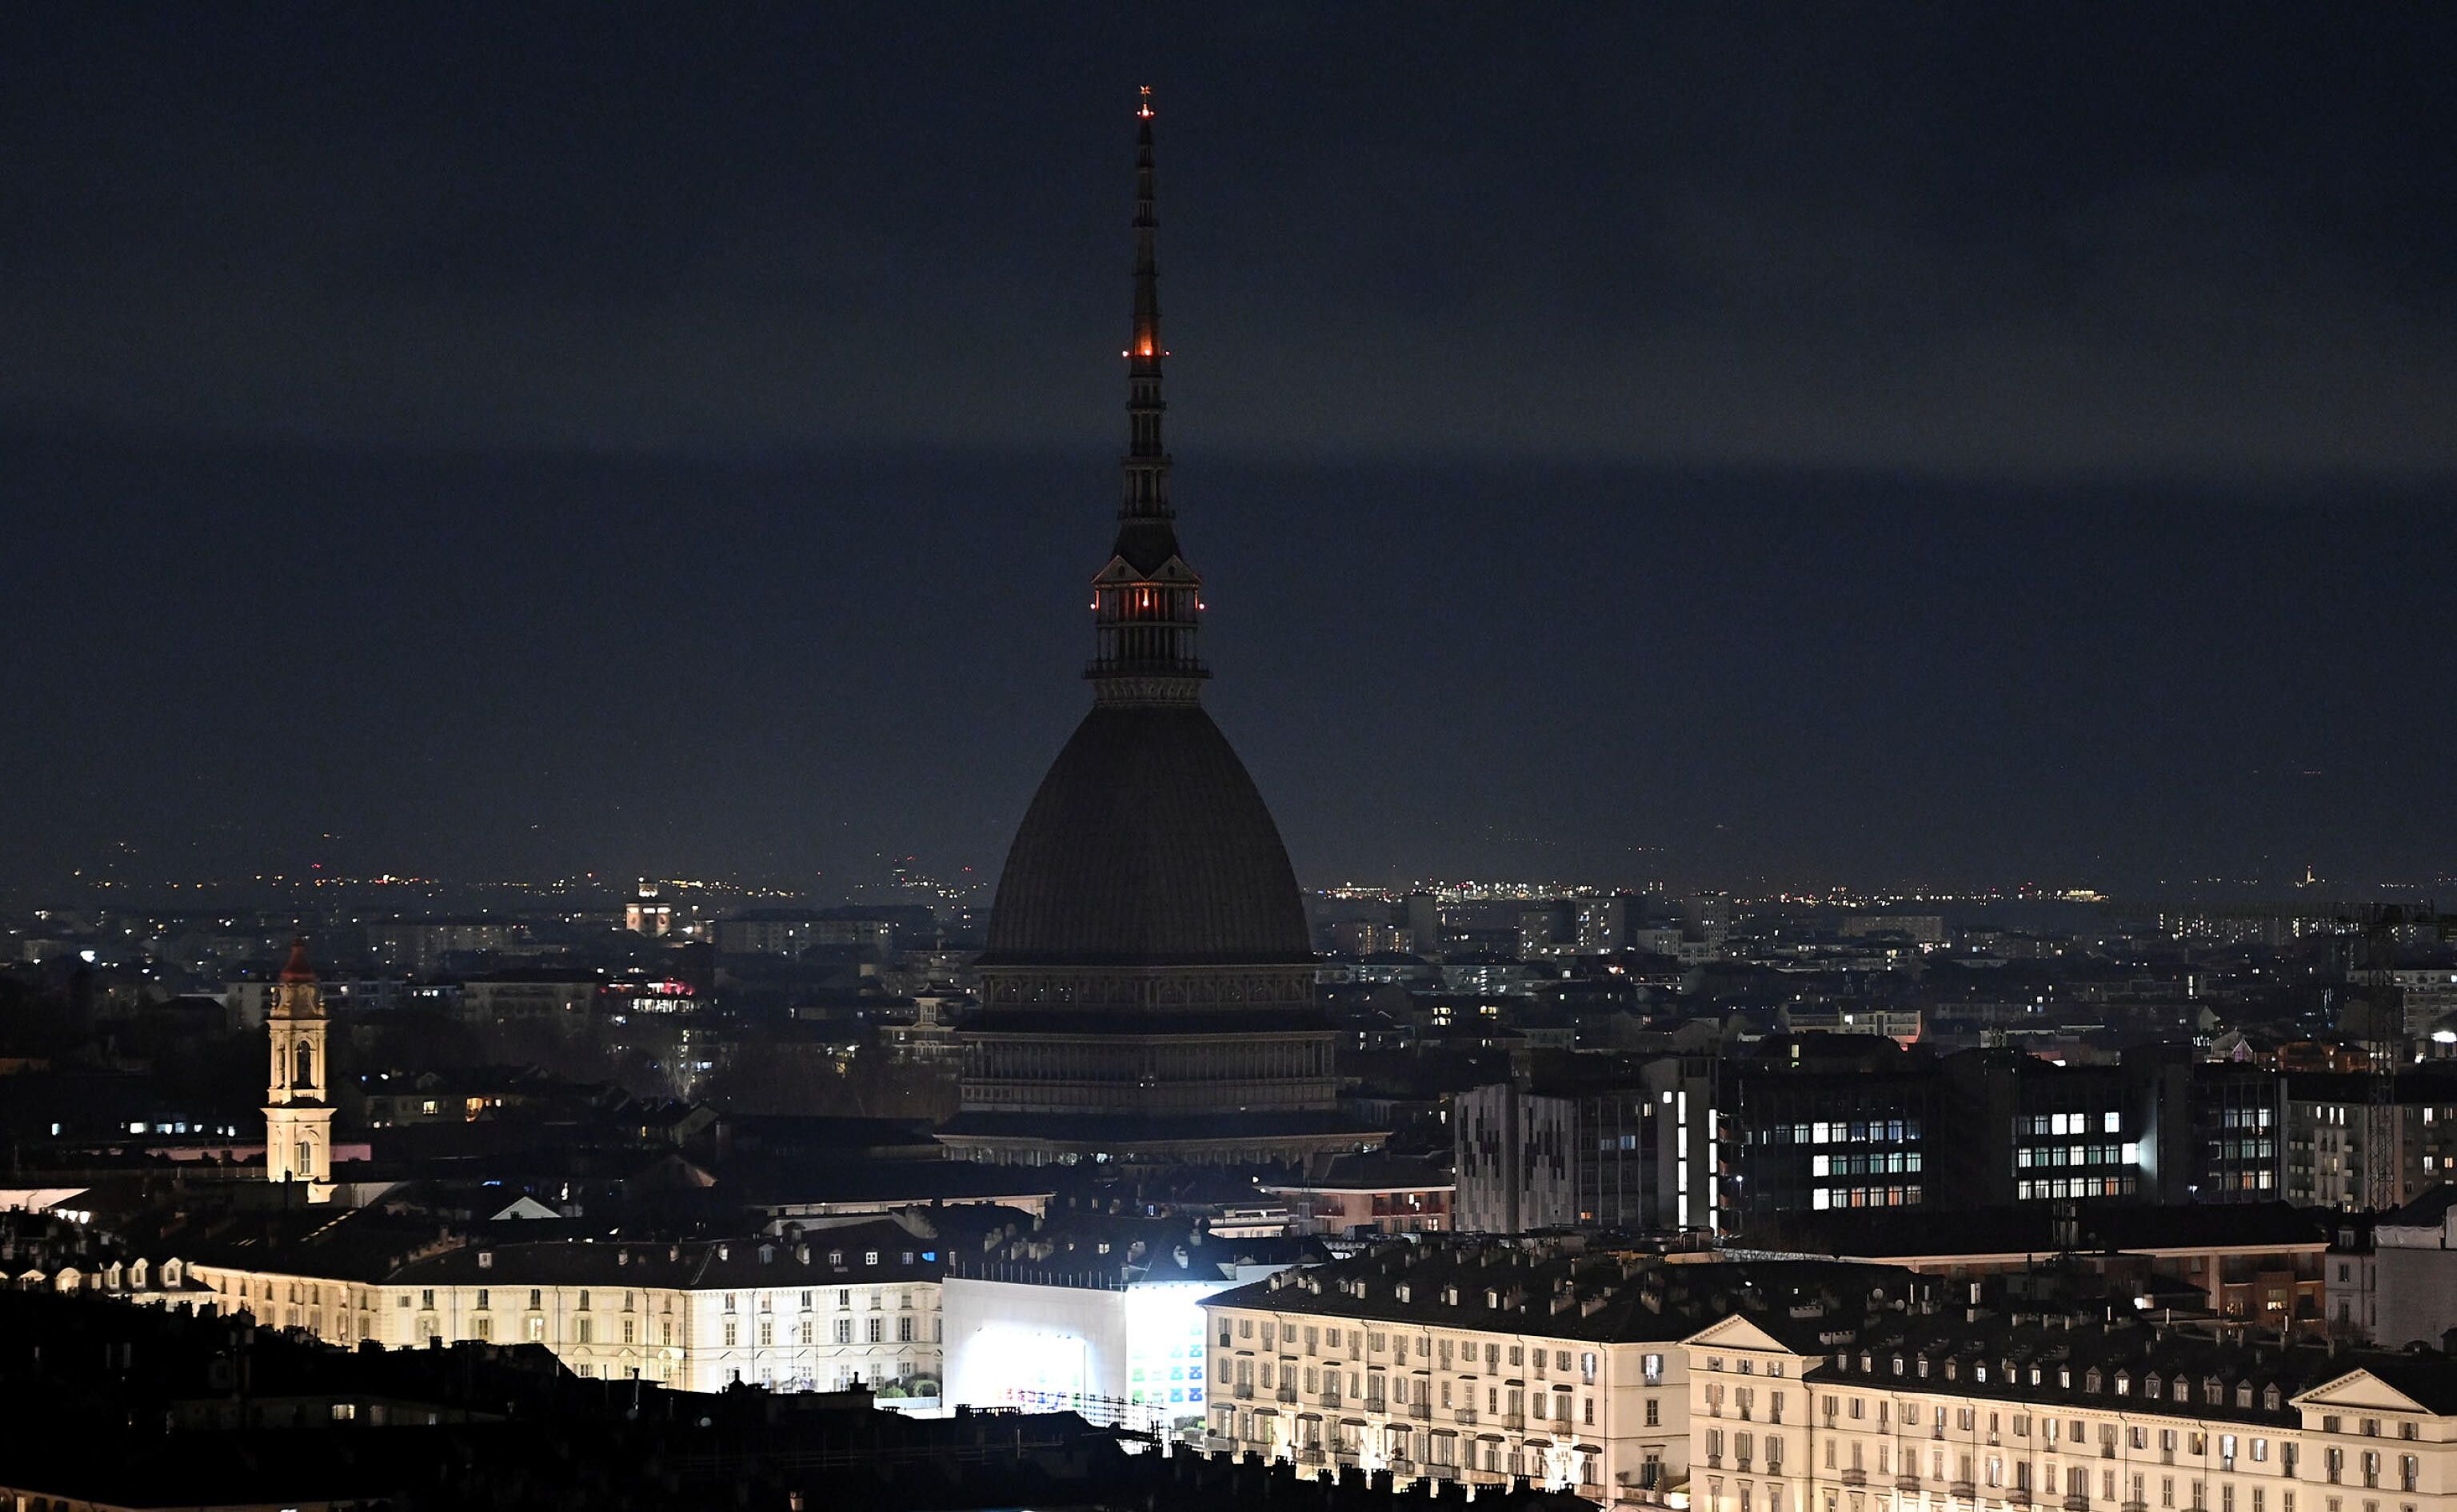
(1754, 820)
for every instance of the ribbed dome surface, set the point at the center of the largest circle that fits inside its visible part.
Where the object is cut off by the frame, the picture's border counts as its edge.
(1147, 845)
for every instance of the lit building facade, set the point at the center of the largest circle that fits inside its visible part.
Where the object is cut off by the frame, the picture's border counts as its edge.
(2335, 1159)
(1486, 1395)
(819, 1313)
(1966, 1410)
(1478, 1363)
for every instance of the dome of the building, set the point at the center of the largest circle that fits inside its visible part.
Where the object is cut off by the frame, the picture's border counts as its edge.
(1147, 845)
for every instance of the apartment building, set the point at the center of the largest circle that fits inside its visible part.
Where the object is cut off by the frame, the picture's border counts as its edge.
(1481, 1362)
(811, 1313)
(1991, 1408)
(2334, 1159)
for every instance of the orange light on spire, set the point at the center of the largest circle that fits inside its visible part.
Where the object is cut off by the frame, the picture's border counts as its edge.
(1143, 107)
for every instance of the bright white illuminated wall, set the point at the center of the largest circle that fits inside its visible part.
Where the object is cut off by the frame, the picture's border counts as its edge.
(1010, 1344)
(1165, 1347)
(1135, 1353)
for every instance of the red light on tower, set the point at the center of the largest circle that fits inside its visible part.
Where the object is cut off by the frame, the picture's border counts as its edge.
(1143, 106)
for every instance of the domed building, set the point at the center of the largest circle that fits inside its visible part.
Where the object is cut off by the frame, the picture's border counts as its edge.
(1148, 989)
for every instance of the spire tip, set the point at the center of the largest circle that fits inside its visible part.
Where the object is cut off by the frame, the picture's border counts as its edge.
(1143, 102)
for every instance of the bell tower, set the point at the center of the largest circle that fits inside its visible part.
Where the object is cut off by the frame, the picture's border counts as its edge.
(299, 1104)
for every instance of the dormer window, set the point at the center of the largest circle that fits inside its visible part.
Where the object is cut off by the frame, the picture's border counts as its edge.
(2090, 1383)
(2243, 1394)
(2271, 1400)
(1898, 1364)
(2064, 1379)
(2149, 1384)
(2123, 1384)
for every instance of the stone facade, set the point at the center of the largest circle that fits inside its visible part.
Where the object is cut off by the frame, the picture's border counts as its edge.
(817, 1314)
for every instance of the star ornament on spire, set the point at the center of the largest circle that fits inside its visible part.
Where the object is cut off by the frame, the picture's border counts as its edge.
(1142, 106)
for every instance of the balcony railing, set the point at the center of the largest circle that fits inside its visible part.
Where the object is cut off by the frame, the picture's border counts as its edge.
(1855, 1475)
(1286, 1394)
(1466, 1415)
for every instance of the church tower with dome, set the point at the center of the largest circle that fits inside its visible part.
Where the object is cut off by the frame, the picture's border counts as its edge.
(1148, 989)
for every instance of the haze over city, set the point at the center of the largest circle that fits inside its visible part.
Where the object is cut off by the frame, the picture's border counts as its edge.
(1880, 449)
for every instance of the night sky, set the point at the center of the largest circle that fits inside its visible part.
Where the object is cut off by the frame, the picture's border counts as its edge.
(1955, 445)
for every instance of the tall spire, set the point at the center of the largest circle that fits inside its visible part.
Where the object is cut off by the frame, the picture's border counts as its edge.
(1146, 600)
(1147, 350)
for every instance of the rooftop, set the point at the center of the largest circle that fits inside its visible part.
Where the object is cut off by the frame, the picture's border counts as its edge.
(1564, 1294)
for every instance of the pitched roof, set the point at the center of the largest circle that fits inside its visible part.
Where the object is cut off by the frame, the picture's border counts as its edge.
(1557, 1294)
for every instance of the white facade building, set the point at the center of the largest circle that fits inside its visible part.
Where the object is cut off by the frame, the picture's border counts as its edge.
(818, 1312)
(1973, 1411)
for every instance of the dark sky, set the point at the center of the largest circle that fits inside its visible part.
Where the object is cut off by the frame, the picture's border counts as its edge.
(1825, 444)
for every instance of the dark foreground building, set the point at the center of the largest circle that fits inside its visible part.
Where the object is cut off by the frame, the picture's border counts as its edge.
(1149, 991)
